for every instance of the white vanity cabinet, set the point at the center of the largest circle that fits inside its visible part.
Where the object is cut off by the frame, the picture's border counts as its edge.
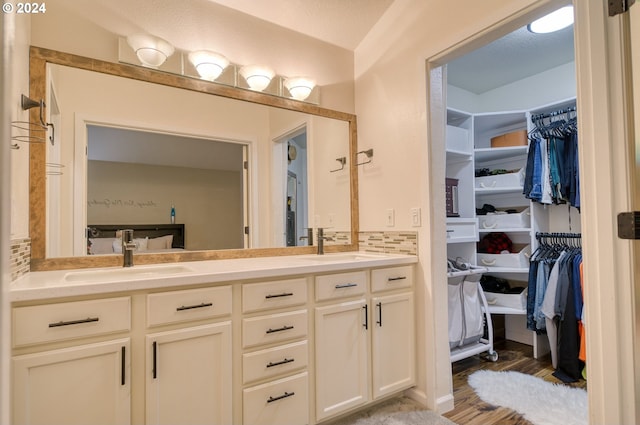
(393, 330)
(364, 339)
(188, 370)
(90, 379)
(275, 353)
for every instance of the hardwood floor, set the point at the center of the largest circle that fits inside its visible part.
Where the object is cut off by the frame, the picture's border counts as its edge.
(470, 410)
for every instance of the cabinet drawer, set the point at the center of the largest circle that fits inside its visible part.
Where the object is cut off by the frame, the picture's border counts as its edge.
(391, 278)
(191, 304)
(340, 285)
(274, 361)
(266, 295)
(274, 328)
(282, 402)
(462, 231)
(77, 319)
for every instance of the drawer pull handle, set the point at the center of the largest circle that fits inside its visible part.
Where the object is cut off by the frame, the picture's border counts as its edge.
(285, 294)
(280, 397)
(285, 361)
(391, 279)
(73, 322)
(346, 285)
(284, 328)
(488, 262)
(190, 307)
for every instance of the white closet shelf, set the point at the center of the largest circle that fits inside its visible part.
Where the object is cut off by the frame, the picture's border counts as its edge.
(507, 270)
(506, 230)
(490, 154)
(496, 309)
(498, 190)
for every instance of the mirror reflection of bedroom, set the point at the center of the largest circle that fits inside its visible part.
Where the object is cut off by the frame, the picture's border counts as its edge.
(159, 185)
(512, 177)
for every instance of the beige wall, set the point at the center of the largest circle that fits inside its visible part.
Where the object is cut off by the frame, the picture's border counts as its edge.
(391, 105)
(241, 38)
(207, 202)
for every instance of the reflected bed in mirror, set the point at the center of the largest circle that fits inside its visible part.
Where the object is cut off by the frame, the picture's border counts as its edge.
(85, 96)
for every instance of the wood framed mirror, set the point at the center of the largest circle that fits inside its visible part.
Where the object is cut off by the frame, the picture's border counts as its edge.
(41, 61)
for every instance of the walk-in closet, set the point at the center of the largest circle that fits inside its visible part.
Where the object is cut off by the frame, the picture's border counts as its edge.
(513, 202)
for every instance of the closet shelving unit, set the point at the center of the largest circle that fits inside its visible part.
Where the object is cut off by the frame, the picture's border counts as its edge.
(468, 147)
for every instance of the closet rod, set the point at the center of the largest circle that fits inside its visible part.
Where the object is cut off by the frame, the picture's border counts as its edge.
(554, 113)
(558, 235)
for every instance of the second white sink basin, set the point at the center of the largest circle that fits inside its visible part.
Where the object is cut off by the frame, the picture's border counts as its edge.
(136, 272)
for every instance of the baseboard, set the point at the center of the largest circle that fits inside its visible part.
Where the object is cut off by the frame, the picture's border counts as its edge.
(443, 404)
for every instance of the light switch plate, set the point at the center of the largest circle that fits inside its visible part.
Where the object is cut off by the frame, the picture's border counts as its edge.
(391, 217)
(416, 219)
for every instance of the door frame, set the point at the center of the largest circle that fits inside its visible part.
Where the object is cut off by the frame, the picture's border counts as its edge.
(601, 44)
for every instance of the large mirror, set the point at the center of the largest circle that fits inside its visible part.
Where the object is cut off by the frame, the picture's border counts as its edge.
(235, 173)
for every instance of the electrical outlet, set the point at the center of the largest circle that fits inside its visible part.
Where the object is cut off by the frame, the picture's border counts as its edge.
(416, 219)
(391, 217)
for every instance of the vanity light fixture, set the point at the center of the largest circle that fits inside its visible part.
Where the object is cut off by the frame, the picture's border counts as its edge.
(552, 22)
(208, 64)
(299, 87)
(258, 77)
(151, 51)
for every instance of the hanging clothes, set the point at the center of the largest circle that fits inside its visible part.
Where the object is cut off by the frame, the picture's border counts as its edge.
(552, 163)
(555, 302)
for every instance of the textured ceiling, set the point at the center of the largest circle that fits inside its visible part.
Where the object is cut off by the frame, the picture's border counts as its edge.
(515, 56)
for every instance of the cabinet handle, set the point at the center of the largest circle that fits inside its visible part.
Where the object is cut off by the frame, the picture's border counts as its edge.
(346, 285)
(285, 294)
(366, 316)
(488, 262)
(391, 279)
(155, 360)
(74, 322)
(284, 328)
(379, 322)
(485, 225)
(280, 397)
(285, 361)
(190, 307)
(123, 365)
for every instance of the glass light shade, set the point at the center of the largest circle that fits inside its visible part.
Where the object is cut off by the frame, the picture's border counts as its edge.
(151, 51)
(258, 77)
(554, 21)
(299, 87)
(208, 64)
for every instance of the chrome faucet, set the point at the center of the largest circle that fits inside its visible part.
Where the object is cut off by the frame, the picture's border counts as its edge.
(128, 245)
(309, 236)
(321, 239)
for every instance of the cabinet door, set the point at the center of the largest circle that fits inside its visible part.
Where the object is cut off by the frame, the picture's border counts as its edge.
(342, 378)
(393, 343)
(87, 384)
(189, 376)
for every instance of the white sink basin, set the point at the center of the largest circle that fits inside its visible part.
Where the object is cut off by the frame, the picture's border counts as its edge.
(136, 272)
(344, 257)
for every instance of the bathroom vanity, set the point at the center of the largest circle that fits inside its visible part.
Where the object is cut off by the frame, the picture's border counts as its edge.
(274, 340)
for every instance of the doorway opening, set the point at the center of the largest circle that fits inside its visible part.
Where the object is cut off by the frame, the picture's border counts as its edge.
(494, 101)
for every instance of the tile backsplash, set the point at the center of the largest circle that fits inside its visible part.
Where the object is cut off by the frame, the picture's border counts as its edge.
(389, 242)
(20, 257)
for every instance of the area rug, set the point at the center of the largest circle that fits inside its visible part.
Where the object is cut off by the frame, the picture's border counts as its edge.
(397, 411)
(538, 401)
